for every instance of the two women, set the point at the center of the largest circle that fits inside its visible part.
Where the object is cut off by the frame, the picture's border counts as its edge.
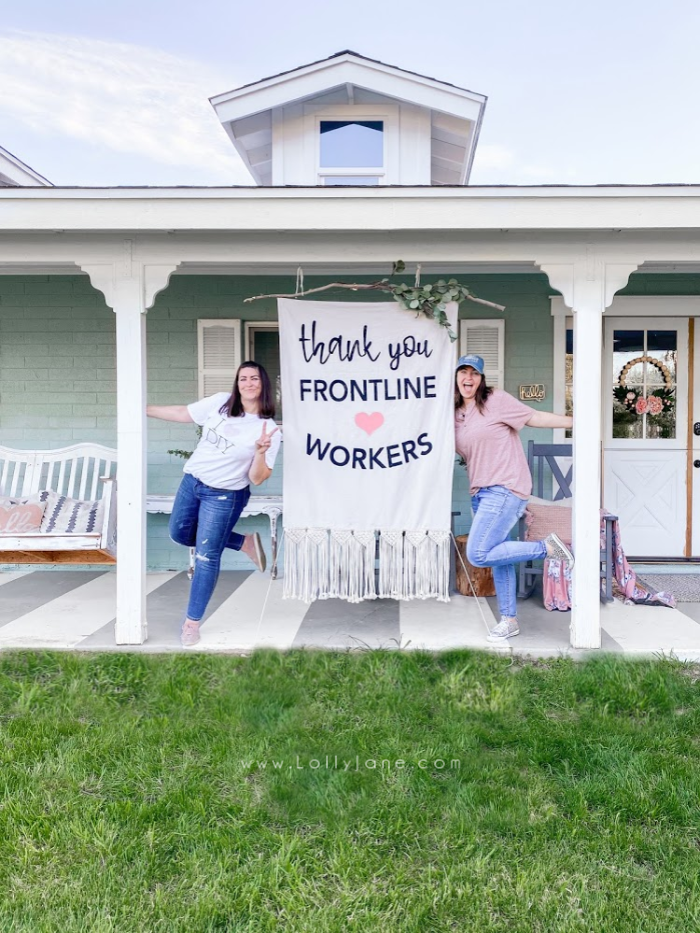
(487, 422)
(238, 447)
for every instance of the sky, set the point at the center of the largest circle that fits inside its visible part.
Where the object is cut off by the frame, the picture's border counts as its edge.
(599, 92)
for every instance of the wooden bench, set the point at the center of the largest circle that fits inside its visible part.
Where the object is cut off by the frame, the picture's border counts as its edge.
(82, 471)
(554, 459)
(271, 506)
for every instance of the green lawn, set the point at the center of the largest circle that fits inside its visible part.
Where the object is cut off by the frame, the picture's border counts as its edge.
(134, 796)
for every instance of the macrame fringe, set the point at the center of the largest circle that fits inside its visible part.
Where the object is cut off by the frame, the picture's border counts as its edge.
(414, 565)
(324, 564)
(305, 563)
(352, 565)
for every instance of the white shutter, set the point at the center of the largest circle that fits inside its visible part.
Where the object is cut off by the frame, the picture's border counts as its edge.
(218, 354)
(487, 339)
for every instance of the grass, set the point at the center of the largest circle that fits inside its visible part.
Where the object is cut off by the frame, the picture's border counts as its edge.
(139, 793)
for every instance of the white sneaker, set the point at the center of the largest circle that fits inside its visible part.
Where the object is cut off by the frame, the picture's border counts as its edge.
(189, 634)
(557, 550)
(506, 628)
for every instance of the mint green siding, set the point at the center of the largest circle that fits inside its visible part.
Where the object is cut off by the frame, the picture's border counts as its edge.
(58, 379)
(57, 363)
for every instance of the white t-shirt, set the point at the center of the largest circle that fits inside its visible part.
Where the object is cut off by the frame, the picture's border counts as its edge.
(223, 457)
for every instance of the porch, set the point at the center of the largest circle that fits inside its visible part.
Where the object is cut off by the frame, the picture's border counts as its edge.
(74, 610)
(170, 264)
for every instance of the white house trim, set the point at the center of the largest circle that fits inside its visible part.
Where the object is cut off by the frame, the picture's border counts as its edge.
(441, 210)
(346, 68)
(15, 172)
(588, 286)
(130, 287)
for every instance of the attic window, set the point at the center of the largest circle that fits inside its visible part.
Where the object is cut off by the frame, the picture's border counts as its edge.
(351, 152)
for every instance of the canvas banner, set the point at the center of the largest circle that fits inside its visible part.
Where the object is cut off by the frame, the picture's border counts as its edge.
(368, 392)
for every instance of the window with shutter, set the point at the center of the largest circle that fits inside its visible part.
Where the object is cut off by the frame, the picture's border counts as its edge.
(487, 339)
(219, 354)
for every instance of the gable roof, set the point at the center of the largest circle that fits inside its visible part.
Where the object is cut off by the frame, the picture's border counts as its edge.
(456, 113)
(15, 172)
(330, 58)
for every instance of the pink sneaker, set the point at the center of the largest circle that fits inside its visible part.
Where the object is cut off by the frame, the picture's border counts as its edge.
(189, 634)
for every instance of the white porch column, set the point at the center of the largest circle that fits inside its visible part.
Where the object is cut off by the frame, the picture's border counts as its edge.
(129, 288)
(588, 287)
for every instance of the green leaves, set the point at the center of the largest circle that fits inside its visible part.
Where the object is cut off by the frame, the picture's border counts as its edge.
(429, 299)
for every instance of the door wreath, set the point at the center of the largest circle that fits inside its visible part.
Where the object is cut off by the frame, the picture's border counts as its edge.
(656, 401)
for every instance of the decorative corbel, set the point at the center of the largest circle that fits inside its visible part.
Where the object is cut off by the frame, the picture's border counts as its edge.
(588, 278)
(140, 280)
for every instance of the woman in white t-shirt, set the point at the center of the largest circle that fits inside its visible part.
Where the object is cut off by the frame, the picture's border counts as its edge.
(238, 446)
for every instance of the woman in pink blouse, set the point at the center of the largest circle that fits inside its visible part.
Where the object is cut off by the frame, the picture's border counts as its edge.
(487, 426)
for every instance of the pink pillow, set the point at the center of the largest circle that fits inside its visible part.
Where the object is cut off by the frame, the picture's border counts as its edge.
(542, 520)
(21, 516)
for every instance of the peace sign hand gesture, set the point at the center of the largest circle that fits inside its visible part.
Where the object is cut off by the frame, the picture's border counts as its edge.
(265, 440)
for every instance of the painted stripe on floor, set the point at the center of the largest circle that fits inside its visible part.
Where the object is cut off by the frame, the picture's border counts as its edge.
(335, 623)
(165, 610)
(13, 575)
(64, 621)
(236, 624)
(436, 626)
(650, 628)
(27, 593)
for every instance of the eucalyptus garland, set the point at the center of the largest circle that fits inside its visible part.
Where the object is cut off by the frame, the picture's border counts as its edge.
(430, 300)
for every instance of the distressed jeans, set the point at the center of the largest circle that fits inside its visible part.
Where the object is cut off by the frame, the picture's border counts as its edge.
(496, 509)
(203, 518)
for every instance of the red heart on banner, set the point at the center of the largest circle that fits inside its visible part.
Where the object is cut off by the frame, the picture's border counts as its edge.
(369, 423)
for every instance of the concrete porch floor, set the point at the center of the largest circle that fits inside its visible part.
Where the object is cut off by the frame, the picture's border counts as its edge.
(75, 610)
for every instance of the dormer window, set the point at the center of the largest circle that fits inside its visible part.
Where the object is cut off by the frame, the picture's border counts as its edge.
(351, 120)
(351, 152)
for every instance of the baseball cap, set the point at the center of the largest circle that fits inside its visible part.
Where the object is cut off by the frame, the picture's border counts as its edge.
(476, 362)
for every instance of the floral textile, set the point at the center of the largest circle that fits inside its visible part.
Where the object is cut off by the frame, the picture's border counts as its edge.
(556, 578)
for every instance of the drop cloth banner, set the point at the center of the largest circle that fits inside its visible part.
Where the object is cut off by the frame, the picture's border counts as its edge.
(368, 450)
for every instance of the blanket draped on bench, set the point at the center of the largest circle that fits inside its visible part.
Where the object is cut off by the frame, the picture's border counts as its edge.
(556, 579)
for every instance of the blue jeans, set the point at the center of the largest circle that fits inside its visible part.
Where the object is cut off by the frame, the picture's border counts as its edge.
(203, 518)
(496, 510)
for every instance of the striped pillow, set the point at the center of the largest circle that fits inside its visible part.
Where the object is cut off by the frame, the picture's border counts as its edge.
(70, 516)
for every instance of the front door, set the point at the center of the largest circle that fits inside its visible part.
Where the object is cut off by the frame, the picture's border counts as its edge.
(645, 398)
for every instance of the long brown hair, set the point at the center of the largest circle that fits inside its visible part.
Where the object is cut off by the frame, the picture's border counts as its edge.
(482, 393)
(233, 406)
